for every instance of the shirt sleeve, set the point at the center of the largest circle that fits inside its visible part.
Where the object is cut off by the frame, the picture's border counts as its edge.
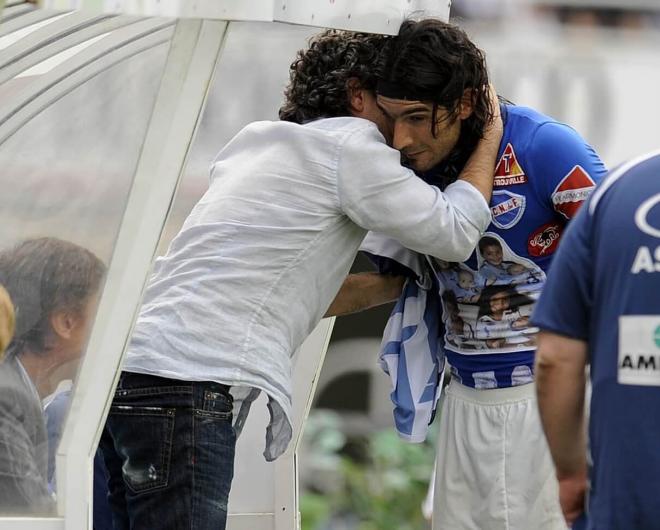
(379, 194)
(565, 303)
(567, 168)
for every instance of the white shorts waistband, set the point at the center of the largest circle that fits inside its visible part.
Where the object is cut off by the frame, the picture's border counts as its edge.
(491, 396)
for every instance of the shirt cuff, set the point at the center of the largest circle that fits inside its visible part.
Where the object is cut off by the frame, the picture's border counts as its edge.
(471, 203)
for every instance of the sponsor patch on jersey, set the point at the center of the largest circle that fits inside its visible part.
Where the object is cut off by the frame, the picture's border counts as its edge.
(506, 208)
(572, 191)
(639, 350)
(642, 216)
(508, 171)
(544, 240)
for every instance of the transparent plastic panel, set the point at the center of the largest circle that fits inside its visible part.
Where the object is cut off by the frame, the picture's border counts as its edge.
(248, 85)
(68, 171)
(45, 19)
(21, 19)
(66, 175)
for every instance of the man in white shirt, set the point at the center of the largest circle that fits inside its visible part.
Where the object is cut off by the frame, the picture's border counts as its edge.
(255, 267)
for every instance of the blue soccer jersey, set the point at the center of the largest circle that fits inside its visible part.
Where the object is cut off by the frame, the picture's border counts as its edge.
(544, 173)
(604, 289)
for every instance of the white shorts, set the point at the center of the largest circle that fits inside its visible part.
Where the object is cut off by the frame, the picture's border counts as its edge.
(494, 470)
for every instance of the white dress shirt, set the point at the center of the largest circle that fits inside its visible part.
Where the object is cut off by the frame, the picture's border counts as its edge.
(265, 250)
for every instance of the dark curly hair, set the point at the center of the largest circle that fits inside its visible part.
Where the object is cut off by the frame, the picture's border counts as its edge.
(43, 276)
(431, 60)
(318, 77)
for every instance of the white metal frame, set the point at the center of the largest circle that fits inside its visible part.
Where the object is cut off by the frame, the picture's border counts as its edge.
(29, 523)
(17, 110)
(178, 107)
(60, 35)
(378, 16)
(651, 5)
(20, 16)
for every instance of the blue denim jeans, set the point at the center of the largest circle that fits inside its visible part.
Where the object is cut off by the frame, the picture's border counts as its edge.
(169, 449)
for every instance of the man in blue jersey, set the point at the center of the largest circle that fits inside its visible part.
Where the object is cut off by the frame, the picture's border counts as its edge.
(601, 307)
(494, 469)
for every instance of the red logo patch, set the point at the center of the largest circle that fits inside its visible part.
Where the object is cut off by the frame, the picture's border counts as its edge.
(544, 240)
(508, 170)
(572, 191)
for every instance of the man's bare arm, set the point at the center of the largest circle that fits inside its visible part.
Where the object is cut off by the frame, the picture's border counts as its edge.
(365, 290)
(480, 167)
(560, 385)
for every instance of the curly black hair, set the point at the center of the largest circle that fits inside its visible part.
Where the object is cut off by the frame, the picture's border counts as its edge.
(436, 61)
(319, 75)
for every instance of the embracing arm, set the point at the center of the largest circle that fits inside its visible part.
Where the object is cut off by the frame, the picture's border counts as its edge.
(560, 386)
(379, 194)
(480, 167)
(365, 290)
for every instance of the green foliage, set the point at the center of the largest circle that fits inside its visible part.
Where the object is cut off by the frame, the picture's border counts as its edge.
(381, 489)
(314, 509)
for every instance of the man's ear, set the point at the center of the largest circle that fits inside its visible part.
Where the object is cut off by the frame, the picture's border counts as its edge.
(64, 323)
(355, 95)
(466, 104)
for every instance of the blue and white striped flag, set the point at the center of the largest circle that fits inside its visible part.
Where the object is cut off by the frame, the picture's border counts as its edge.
(413, 356)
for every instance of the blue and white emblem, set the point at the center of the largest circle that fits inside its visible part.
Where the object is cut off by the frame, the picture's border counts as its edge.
(506, 208)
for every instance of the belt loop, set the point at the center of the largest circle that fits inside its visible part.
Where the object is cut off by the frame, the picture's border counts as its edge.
(120, 384)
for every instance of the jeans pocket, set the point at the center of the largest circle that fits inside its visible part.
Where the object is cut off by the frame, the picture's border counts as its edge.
(216, 405)
(143, 440)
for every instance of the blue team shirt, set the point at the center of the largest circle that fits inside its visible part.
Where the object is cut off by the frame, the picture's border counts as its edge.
(545, 171)
(605, 289)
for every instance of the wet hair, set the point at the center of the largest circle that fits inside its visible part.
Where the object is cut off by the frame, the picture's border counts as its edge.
(43, 276)
(318, 77)
(435, 62)
(488, 241)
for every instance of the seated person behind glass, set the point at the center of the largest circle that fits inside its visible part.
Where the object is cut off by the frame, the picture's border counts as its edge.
(53, 285)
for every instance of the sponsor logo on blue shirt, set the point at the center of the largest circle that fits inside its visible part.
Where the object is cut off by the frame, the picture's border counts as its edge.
(506, 208)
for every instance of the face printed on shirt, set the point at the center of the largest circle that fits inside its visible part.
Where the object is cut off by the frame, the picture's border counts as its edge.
(499, 303)
(465, 280)
(493, 254)
(487, 308)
